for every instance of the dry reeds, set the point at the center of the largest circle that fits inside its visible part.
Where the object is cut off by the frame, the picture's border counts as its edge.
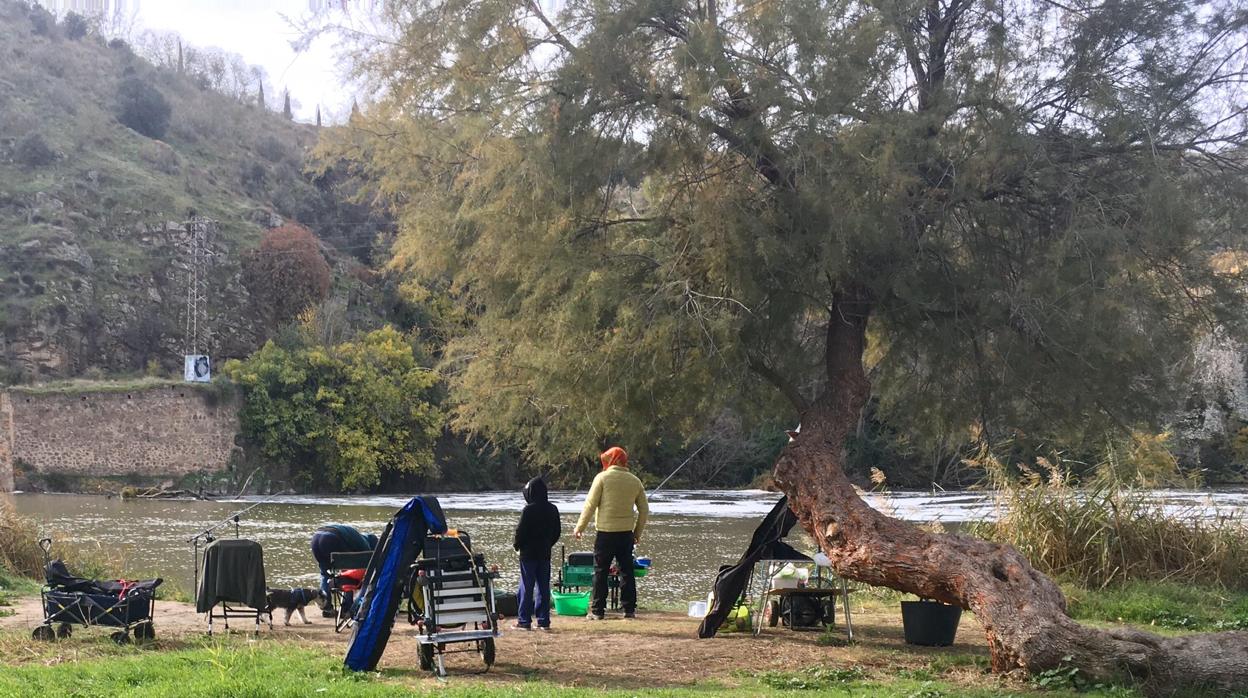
(20, 553)
(1111, 530)
(19, 543)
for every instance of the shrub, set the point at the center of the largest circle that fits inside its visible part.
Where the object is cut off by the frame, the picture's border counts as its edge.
(343, 415)
(287, 274)
(34, 151)
(142, 107)
(272, 149)
(19, 543)
(76, 26)
(1107, 531)
(42, 22)
(253, 177)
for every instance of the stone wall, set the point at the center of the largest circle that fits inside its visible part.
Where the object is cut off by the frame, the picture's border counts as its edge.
(162, 432)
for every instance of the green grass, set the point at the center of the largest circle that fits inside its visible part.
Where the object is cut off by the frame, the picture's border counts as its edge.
(237, 667)
(84, 386)
(1162, 605)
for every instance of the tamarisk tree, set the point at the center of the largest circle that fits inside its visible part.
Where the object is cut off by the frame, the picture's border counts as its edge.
(1005, 215)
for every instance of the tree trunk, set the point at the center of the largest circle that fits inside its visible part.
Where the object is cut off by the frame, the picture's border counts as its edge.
(1022, 610)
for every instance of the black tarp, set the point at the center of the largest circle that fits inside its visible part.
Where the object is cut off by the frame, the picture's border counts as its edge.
(232, 572)
(767, 543)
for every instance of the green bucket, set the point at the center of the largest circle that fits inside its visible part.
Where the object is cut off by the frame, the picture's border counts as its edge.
(570, 604)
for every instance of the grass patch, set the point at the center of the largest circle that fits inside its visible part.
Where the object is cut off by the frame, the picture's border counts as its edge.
(83, 386)
(212, 669)
(235, 666)
(1162, 604)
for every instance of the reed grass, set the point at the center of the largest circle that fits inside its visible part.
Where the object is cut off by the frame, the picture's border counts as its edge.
(1108, 529)
(19, 543)
(20, 554)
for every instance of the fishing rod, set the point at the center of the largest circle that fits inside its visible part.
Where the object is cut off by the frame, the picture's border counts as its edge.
(232, 518)
(677, 470)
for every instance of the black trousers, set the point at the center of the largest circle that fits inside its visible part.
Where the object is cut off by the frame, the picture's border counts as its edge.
(617, 547)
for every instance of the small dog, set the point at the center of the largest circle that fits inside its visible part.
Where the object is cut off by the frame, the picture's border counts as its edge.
(294, 601)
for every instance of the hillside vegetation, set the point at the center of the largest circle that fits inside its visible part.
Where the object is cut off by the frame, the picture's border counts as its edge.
(92, 210)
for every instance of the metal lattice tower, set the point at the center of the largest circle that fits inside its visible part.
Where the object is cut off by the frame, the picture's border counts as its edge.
(197, 254)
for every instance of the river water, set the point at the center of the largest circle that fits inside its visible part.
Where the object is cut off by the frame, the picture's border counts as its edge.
(691, 532)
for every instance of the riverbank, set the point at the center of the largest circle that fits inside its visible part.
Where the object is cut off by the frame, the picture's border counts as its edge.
(659, 654)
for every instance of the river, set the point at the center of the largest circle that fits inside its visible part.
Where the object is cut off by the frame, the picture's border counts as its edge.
(691, 532)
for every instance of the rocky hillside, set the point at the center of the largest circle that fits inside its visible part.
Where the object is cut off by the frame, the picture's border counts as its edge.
(93, 241)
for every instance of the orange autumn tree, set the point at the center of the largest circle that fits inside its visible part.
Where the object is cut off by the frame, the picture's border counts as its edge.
(286, 274)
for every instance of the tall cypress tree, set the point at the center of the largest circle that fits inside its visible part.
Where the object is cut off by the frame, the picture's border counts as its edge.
(286, 112)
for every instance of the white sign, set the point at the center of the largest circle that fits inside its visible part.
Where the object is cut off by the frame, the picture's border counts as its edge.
(197, 369)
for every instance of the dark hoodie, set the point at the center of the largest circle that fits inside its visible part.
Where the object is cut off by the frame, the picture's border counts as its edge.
(539, 523)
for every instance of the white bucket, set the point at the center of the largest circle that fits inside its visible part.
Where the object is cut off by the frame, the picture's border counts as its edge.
(697, 609)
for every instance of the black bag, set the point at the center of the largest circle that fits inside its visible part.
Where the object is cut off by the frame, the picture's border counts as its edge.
(799, 611)
(507, 604)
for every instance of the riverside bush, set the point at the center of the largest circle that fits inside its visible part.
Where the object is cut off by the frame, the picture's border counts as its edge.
(1110, 529)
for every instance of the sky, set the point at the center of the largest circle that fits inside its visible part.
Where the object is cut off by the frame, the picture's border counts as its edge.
(261, 31)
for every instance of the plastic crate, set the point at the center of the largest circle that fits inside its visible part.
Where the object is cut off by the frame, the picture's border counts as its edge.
(577, 576)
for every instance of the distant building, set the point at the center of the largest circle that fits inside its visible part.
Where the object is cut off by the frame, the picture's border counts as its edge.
(90, 8)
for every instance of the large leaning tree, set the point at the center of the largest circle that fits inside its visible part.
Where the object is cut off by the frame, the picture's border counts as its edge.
(999, 214)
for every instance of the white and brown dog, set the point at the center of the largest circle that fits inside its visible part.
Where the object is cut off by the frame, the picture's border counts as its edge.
(294, 601)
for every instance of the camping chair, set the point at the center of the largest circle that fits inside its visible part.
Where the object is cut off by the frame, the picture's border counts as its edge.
(232, 576)
(346, 577)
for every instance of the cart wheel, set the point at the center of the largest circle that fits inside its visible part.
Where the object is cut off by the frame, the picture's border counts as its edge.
(64, 631)
(43, 633)
(145, 632)
(121, 638)
(486, 648)
(426, 657)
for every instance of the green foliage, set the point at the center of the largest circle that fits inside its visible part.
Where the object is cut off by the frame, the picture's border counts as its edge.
(651, 212)
(814, 678)
(33, 151)
(1062, 676)
(142, 107)
(341, 414)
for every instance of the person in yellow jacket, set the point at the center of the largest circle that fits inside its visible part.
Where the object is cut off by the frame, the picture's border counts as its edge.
(610, 503)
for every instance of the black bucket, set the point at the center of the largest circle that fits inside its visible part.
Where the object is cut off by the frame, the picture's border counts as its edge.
(930, 623)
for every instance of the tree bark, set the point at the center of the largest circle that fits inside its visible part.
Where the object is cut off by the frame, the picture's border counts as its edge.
(1023, 612)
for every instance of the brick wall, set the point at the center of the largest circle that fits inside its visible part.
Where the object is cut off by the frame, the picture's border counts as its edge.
(155, 432)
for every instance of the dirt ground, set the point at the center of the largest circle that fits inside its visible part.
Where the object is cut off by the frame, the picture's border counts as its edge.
(658, 649)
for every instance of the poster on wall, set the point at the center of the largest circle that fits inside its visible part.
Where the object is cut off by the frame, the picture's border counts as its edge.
(197, 369)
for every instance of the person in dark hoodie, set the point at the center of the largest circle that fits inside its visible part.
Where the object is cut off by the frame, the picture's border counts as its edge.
(336, 538)
(536, 533)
